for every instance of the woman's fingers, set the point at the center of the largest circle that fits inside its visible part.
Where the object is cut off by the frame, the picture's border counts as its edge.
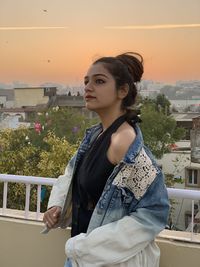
(51, 216)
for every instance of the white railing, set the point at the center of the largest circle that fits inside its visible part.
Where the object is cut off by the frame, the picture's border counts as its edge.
(186, 194)
(28, 181)
(39, 181)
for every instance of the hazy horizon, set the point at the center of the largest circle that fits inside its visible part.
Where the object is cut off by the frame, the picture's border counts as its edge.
(18, 84)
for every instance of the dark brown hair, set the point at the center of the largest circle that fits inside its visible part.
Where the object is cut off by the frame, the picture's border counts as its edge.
(126, 68)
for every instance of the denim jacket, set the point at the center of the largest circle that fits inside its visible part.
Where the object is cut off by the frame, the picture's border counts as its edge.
(131, 211)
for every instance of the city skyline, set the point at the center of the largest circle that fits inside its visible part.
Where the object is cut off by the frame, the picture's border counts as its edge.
(56, 41)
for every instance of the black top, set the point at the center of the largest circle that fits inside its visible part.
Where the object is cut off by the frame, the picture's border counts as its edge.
(90, 178)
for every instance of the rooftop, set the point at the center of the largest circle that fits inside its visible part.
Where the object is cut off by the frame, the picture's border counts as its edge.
(185, 116)
(9, 93)
(35, 87)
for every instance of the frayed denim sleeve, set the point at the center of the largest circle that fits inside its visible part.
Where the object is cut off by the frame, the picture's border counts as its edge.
(61, 186)
(68, 263)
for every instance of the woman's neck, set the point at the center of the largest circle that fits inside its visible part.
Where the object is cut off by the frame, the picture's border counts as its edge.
(108, 118)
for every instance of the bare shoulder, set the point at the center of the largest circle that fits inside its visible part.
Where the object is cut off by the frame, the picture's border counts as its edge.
(120, 143)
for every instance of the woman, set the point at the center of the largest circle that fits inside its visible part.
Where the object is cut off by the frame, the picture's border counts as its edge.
(119, 200)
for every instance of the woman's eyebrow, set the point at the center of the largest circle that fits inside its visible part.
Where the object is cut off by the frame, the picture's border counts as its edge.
(97, 74)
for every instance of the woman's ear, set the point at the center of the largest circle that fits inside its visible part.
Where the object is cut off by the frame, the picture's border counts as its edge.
(123, 91)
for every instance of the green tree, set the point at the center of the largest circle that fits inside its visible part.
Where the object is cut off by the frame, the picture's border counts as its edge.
(63, 122)
(19, 156)
(162, 104)
(40, 153)
(54, 160)
(159, 130)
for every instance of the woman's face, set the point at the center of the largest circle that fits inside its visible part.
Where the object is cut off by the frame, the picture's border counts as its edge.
(100, 89)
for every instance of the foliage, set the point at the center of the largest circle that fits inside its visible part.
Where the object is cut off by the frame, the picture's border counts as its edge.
(54, 160)
(46, 152)
(22, 158)
(42, 153)
(159, 130)
(63, 122)
(18, 156)
(162, 104)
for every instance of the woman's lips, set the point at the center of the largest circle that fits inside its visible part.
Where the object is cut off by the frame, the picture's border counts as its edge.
(88, 97)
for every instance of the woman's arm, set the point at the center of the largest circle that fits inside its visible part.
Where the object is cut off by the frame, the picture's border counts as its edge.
(61, 186)
(120, 240)
(57, 198)
(115, 242)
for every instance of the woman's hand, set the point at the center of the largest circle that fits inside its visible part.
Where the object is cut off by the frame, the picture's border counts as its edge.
(51, 216)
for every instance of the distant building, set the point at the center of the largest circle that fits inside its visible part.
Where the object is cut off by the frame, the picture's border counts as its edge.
(6, 98)
(69, 101)
(185, 120)
(180, 164)
(195, 141)
(181, 105)
(149, 93)
(77, 102)
(15, 117)
(33, 96)
(12, 121)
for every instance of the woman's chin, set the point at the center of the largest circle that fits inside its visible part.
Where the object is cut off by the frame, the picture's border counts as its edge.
(89, 106)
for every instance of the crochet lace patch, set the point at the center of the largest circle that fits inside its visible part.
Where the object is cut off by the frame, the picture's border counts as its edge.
(137, 177)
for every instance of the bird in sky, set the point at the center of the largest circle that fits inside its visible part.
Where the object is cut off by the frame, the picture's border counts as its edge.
(46, 60)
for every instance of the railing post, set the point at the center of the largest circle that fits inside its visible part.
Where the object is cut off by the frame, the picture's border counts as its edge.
(192, 222)
(28, 189)
(38, 201)
(5, 193)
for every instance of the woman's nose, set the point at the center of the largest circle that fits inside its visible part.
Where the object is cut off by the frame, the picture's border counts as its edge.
(88, 87)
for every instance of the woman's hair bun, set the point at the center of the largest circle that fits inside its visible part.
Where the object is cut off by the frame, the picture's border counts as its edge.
(134, 63)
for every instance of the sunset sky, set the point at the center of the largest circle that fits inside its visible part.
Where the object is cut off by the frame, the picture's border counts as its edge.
(56, 40)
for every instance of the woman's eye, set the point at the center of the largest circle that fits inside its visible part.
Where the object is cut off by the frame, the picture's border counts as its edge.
(85, 82)
(100, 81)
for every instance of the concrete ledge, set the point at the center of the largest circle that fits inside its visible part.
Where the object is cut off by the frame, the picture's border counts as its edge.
(178, 253)
(22, 245)
(180, 236)
(20, 214)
